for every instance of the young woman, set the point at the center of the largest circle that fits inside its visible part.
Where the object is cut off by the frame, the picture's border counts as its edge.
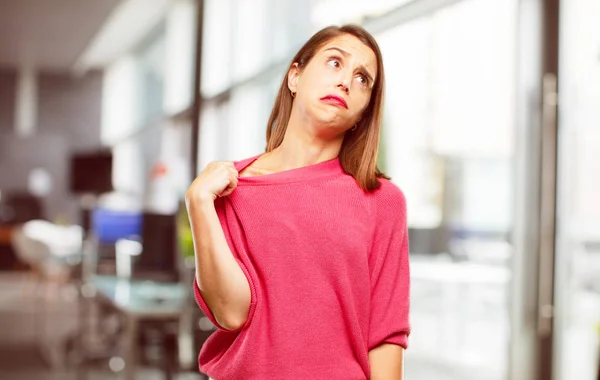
(302, 251)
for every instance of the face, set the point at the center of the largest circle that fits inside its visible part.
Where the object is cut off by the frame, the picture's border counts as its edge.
(335, 87)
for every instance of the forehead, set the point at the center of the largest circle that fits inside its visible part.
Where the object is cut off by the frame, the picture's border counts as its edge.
(356, 48)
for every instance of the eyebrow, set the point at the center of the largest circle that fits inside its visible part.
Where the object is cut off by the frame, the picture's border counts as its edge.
(346, 54)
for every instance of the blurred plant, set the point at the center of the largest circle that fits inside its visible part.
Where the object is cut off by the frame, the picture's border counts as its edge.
(381, 154)
(184, 232)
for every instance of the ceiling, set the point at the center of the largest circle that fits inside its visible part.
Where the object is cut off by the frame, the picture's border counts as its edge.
(49, 34)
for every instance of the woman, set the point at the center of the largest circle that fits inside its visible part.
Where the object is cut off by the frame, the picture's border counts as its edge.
(302, 252)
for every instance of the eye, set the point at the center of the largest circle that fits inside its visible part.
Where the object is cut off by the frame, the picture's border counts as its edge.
(363, 79)
(334, 62)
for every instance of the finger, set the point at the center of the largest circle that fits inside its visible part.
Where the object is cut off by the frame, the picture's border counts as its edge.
(233, 179)
(232, 170)
(231, 186)
(233, 182)
(227, 191)
(234, 174)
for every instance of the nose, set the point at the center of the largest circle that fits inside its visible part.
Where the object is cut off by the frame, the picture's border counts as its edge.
(344, 86)
(345, 78)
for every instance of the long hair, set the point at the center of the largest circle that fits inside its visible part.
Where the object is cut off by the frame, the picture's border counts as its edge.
(358, 154)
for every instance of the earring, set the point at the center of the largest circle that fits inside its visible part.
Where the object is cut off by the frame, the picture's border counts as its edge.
(293, 94)
(353, 128)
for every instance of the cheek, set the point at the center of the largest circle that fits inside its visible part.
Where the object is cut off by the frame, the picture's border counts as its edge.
(311, 79)
(360, 103)
(318, 81)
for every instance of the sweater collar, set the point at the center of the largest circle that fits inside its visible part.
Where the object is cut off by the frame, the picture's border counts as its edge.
(306, 173)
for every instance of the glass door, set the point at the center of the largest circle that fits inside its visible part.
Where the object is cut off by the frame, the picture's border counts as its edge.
(577, 281)
(449, 143)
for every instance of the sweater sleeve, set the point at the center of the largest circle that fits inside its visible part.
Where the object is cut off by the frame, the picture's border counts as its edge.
(390, 276)
(220, 208)
(206, 310)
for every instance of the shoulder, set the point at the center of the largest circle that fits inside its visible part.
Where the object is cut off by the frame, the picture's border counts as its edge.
(389, 194)
(388, 201)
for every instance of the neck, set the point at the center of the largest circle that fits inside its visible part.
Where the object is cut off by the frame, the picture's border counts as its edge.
(305, 144)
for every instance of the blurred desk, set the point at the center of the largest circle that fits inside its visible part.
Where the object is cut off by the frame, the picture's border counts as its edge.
(139, 300)
(142, 298)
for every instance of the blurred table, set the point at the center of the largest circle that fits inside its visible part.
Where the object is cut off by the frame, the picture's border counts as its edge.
(139, 300)
(142, 298)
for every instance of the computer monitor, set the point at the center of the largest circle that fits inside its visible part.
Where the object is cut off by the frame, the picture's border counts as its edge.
(159, 253)
(91, 172)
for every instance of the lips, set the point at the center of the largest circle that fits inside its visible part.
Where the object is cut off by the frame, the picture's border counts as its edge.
(336, 100)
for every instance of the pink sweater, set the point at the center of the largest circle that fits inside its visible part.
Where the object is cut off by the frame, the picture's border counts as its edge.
(328, 271)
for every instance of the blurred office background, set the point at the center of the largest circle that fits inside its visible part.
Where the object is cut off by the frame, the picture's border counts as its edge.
(109, 108)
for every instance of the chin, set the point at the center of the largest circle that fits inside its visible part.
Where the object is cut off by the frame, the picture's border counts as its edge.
(331, 130)
(329, 117)
(331, 123)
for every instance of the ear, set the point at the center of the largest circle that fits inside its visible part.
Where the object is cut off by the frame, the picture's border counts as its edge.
(293, 76)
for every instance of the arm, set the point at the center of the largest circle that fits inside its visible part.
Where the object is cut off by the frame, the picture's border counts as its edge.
(387, 362)
(390, 287)
(221, 281)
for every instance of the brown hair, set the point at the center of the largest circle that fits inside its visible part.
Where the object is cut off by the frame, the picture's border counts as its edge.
(358, 154)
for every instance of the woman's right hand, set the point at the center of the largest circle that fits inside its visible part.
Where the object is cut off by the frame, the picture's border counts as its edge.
(218, 179)
(221, 281)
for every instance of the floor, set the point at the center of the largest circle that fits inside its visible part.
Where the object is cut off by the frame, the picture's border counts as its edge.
(458, 333)
(20, 360)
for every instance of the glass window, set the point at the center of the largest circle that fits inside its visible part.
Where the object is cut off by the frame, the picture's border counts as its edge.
(250, 27)
(180, 56)
(328, 12)
(248, 121)
(121, 108)
(577, 286)
(407, 120)
(448, 131)
(128, 168)
(472, 70)
(217, 53)
(151, 66)
(214, 125)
